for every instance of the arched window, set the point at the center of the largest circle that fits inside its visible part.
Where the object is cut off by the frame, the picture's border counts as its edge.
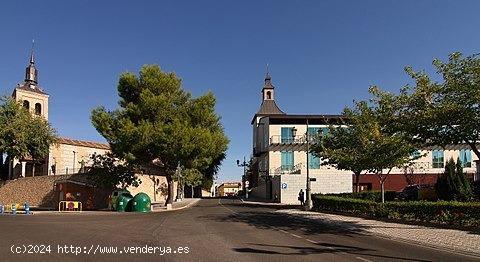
(269, 95)
(26, 104)
(38, 109)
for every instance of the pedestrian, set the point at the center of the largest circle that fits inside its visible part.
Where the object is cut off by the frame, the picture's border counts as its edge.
(301, 197)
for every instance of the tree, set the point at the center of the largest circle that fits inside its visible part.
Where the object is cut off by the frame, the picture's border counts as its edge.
(453, 184)
(346, 148)
(192, 178)
(446, 112)
(22, 134)
(160, 122)
(107, 172)
(370, 141)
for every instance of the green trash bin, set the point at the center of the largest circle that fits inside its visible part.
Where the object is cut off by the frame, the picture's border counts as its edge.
(141, 203)
(124, 202)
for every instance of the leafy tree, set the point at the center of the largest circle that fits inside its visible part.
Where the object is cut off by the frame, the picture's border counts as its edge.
(192, 178)
(369, 142)
(445, 112)
(22, 134)
(107, 172)
(160, 122)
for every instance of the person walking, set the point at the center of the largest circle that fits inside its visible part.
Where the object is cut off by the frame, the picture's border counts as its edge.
(301, 197)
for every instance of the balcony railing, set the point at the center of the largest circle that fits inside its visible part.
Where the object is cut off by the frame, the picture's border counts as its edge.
(288, 169)
(277, 139)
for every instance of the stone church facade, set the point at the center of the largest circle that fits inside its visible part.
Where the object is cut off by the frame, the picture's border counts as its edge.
(67, 156)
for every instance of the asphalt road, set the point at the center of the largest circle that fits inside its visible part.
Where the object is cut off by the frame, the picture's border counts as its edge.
(212, 230)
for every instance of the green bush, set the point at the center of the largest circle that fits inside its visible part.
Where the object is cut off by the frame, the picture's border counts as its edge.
(453, 184)
(369, 195)
(466, 214)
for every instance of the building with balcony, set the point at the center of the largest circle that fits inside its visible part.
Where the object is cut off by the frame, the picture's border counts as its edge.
(280, 160)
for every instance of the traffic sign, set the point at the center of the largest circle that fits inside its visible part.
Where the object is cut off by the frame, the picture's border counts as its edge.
(247, 183)
(284, 185)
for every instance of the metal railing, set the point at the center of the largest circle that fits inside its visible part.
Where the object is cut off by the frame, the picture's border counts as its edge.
(288, 169)
(278, 139)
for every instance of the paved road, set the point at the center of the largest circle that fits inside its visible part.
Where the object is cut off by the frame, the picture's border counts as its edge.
(212, 230)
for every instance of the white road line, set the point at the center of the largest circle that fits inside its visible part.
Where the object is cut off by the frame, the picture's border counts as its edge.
(283, 231)
(311, 241)
(363, 259)
(220, 203)
(297, 236)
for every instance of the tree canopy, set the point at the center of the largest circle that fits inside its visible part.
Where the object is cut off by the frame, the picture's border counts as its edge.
(159, 121)
(23, 134)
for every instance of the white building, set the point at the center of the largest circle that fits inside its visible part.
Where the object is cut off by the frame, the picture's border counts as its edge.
(279, 157)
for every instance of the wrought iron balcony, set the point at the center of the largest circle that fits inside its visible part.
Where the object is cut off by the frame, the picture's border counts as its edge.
(288, 169)
(278, 139)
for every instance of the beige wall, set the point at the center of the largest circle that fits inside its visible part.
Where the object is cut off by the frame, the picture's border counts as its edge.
(62, 156)
(33, 98)
(154, 186)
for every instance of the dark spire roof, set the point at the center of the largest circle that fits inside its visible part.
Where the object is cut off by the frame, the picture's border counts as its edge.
(268, 81)
(269, 107)
(31, 73)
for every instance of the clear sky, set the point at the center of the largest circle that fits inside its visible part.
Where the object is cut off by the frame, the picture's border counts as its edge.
(322, 54)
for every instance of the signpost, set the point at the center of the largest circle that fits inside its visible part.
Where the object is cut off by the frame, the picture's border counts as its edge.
(247, 183)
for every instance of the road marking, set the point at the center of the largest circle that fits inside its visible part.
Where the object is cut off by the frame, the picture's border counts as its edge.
(363, 259)
(297, 236)
(220, 203)
(281, 230)
(311, 241)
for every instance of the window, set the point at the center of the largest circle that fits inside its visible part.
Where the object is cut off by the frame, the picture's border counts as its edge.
(38, 109)
(416, 154)
(269, 95)
(313, 161)
(437, 158)
(287, 160)
(287, 135)
(465, 157)
(325, 130)
(26, 104)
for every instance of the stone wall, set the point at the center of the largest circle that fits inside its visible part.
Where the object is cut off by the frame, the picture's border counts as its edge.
(37, 191)
(154, 186)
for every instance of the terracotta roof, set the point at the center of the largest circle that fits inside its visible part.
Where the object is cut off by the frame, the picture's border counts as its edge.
(73, 142)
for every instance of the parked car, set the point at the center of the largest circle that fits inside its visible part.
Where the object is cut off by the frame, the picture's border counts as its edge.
(418, 192)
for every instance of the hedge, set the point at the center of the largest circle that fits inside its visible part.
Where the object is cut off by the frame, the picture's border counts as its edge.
(369, 195)
(463, 214)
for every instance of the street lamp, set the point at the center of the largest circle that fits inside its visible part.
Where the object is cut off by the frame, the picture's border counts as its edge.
(179, 183)
(308, 191)
(244, 177)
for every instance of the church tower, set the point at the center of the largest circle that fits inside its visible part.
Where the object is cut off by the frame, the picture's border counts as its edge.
(29, 93)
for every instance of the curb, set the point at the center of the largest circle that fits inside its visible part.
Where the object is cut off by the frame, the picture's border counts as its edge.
(401, 240)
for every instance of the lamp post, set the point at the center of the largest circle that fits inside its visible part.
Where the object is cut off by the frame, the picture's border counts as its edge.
(244, 178)
(308, 191)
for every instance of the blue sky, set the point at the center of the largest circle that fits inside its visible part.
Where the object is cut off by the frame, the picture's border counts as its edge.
(322, 54)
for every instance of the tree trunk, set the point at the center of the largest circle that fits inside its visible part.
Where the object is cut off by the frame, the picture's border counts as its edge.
(192, 190)
(382, 185)
(474, 148)
(33, 168)
(170, 189)
(357, 181)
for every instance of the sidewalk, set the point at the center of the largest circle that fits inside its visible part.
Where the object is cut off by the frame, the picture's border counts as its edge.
(264, 202)
(446, 239)
(185, 203)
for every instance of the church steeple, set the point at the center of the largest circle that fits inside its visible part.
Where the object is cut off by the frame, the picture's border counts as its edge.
(31, 72)
(268, 88)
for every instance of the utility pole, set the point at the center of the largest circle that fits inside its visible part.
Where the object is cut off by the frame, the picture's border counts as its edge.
(308, 202)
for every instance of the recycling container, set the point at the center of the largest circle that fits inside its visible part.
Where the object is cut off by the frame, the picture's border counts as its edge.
(141, 203)
(124, 202)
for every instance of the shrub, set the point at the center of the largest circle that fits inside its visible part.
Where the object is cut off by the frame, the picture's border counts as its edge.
(464, 214)
(369, 195)
(453, 184)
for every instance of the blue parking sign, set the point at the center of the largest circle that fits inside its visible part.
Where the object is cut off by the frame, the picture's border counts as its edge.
(284, 185)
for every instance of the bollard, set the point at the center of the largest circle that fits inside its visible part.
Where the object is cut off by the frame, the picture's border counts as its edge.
(26, 207)
(2, 209)
(14, 209)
